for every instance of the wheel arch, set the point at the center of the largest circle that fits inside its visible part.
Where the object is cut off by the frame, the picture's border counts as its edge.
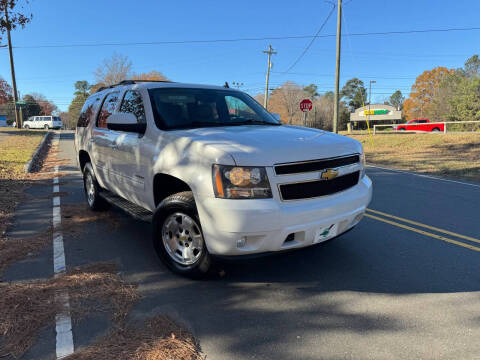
(165, 185)
(83, 158)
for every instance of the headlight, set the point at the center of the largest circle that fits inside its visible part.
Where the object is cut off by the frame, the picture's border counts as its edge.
(362, 164)
(239, 182)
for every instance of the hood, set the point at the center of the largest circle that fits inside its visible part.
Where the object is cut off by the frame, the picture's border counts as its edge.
(257, 145)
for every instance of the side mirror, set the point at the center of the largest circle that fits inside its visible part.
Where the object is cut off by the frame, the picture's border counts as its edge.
(125, 122)
(276, 116)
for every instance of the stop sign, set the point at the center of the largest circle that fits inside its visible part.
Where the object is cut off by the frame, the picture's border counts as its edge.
(306, 105)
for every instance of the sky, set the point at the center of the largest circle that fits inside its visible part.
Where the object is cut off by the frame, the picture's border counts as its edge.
(393, 61)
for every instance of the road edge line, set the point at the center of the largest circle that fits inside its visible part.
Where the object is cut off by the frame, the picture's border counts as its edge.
(63, 321)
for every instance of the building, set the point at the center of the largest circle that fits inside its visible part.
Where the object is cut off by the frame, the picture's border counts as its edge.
(376, 112)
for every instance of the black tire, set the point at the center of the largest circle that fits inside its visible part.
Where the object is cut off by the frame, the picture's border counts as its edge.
(436, 129)
(180, 203)
(26, 127)
(94, 200)
(401, 129)
(46, 127)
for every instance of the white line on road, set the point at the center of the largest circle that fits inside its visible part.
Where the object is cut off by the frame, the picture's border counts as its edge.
(425, 176)
(63, 321)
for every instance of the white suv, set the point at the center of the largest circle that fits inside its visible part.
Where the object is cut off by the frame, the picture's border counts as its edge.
(43, 122)
(220, 174)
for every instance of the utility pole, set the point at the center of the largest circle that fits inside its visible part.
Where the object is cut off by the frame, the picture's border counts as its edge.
(12, 68)
(337, 70)
(270, 52)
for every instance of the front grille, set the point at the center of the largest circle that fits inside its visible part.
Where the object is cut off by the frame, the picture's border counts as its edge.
(312, 189)
(316, 165)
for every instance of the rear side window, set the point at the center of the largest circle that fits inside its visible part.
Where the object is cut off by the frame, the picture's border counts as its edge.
(132, 103)
(107, 109)
(88, 111)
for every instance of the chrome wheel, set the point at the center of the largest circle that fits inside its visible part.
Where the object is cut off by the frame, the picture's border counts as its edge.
(90, 189)
(182, 238)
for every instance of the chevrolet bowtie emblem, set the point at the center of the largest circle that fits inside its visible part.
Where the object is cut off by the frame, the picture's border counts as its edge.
(329, 174)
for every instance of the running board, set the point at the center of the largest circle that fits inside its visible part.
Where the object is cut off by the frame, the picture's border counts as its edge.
(130, 208)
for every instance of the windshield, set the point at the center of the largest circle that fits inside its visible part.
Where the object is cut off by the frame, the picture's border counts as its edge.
(182, 108)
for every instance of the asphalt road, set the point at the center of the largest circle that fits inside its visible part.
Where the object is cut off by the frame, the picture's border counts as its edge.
(389, 289)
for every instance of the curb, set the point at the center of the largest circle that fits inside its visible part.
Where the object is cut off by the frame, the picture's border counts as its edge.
(29, 164)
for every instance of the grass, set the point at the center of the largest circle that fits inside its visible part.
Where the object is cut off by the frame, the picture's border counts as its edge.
(16, 149)
(447, 155)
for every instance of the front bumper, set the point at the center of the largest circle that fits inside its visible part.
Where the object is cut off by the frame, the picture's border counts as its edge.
(243, 227)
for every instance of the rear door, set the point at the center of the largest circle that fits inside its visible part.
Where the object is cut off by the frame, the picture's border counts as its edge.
(128, 162)
(102, 141)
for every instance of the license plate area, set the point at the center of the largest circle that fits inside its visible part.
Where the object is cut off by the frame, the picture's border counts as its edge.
(324, 233)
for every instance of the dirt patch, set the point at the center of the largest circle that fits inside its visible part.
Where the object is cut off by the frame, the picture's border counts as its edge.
(159, 338)
(26, 308)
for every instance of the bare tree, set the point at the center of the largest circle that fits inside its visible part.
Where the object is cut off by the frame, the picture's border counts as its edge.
(291, 95)
(113, 70)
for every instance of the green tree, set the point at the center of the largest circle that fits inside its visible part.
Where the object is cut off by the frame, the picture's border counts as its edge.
(81, 88)
(81, 94)
(32, 107)
(472, 66)
(310, 91)
(396, 100)
(15, 17)
(355, 93)
(465, 101)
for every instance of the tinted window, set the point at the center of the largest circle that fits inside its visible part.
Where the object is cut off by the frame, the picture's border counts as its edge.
(132, 103)
(175, 108)
(422, 121)
(88, 111)
(107, 109)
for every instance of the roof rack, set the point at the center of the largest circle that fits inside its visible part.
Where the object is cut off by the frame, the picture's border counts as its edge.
(129, 82)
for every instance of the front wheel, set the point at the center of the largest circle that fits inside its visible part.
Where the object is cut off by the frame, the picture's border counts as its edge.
(178, 237)
(436, 130)
(92, 190)
(26, 127)
(46, 127)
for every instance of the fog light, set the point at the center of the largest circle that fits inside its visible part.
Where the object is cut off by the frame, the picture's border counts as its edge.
(242, 242)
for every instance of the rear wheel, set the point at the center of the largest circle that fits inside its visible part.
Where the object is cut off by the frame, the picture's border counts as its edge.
(46, 127)
(27, 127)
(178, 237)
(401, 129)
(436, 129)
(92, 190)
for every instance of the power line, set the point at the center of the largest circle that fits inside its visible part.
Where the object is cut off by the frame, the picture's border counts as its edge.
(293, 37)
(313, 39)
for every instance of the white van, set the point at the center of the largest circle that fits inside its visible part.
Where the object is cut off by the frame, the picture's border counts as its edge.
(43, 122)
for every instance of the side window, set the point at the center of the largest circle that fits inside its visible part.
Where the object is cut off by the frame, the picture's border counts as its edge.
(88, 111)
(107, 109)
(132, 103)
(238, 110)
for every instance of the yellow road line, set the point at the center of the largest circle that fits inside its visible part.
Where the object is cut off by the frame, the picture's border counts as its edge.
(439, 237)
(425, 226)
